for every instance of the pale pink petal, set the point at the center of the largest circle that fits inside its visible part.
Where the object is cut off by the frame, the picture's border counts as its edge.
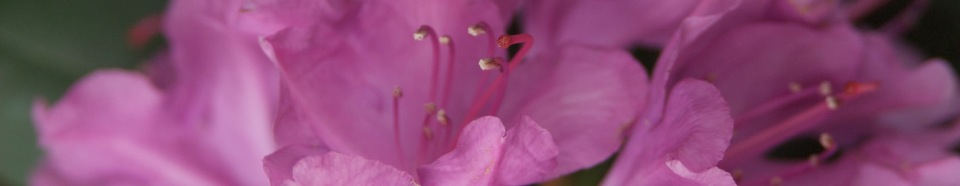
(279, 165)
(529, 155)
(335, 168)
(474, 161)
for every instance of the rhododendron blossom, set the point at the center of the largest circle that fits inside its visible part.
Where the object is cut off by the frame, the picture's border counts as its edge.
(359, 88)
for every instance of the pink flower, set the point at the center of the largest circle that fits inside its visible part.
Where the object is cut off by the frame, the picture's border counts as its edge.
(361, 94)
(797, 75)
(202, 118)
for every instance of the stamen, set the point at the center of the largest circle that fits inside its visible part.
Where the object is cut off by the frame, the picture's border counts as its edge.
(482, 28)
(448, 85)
(444, 39)
(498, 83)
(827, 141)
(397, 93)
(832, 103)
(825, 88)
(490, 64)
(422, 33)
(430, 108)
(477, 29)
(776, 181)
(442, 117)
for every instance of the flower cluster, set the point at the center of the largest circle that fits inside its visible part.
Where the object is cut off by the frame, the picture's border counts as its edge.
(337, 92)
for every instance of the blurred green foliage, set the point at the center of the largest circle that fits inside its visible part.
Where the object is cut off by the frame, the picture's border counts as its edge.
(45, 45)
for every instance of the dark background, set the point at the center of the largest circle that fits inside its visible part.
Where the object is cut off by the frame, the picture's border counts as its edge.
(46, 45)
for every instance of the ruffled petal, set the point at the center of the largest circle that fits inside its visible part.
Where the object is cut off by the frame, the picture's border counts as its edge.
(475, 158)
(279, 165)
(488, 155)
(529, 155)
(335, 168)
(694, 132)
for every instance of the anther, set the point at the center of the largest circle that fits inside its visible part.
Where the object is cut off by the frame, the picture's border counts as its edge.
(445, 39)
(397, 93)
(832, 103)
(477, 29)
(827, 141)
(430, 108)
(442, 117)
(490, 64)
(420, 34)
(795, 87)
(825, 88)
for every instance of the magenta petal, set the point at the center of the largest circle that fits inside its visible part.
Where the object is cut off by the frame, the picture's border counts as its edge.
(279, 164)
(584, 96)
(529, 155)
(335, 168)
(474, 159)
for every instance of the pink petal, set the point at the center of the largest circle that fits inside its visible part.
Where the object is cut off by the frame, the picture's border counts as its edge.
(584, 96)
(474, 161)
(693, 134)
(341, 76)
(529, 155)
(279, 165)
(697, 114)
(487, 155)
(335, 168)
(613, 23)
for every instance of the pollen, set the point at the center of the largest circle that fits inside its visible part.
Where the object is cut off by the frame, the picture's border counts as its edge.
(445, 39)
(827, 141)
(397, 93)
(825, 88)
(476, 30)
(490, 64)
(442, 117)
(419, 35)
(832, 102)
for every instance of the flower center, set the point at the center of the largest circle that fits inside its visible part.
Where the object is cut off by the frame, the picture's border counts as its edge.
(436, 121)
(750, 147)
